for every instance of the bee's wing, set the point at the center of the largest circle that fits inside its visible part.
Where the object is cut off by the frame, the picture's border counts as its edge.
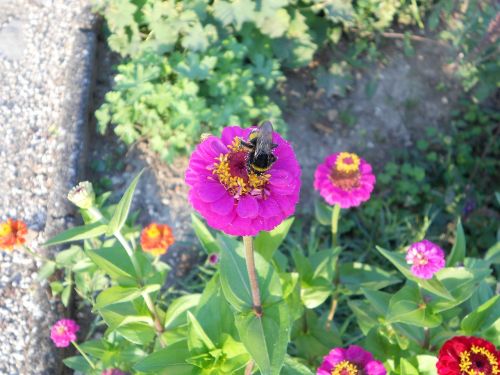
(265, 139)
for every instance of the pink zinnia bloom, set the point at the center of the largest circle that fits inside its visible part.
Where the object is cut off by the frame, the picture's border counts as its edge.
(353, 360)
(233, 198)
(113, 371)
(426, 258)
(64, 332)
(344, 179)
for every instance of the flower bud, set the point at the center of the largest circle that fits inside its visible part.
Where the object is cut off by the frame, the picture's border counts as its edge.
(82, 195)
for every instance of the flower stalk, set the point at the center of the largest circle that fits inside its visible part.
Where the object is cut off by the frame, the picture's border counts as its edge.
(336, 280)
(252, 275)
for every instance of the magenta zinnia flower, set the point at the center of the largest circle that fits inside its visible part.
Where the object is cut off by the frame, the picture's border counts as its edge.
(113, 371)
(64, 332)
(426, 259)
(230, 196)
(351, 361)
(344, 179)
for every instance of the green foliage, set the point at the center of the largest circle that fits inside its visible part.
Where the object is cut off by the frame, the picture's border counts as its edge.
(193, 67)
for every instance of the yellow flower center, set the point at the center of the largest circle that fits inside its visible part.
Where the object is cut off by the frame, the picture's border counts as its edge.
(5, 229)
(153, 231)
(345, 368)
(347, 162)
(232, 172)
(469, 366)
(61, 329)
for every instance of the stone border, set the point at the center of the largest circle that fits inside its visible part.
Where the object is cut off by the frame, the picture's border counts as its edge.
(47, 59)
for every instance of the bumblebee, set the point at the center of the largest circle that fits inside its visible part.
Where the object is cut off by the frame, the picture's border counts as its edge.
(260, 148)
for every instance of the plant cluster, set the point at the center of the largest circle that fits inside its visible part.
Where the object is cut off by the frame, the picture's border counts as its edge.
(274, 303)
(194, 66)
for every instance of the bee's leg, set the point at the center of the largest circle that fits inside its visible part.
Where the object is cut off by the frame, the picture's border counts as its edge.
(274, 145)
(248, 145)
(272, 158)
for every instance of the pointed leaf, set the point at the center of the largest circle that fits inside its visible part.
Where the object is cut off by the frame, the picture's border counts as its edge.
(78, 233)
(457, 254)
(177, 311)
(116, 294)
(123, 207)
(235, 281)
(266, 338)
(204, 236)
(432, 285)
(266, 243)
(483, 317)
(114, 261)
(171, 361)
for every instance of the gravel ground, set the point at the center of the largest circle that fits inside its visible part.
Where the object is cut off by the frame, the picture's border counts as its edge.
(46, 57)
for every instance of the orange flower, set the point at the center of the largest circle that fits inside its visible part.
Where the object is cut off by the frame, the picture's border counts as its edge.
(156, 238)
(12, 234)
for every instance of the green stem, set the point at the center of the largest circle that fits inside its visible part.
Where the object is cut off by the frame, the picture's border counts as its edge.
(335, 224)
(336, 281)
(83, 354)
(252, 275)
(130, 252)
(34, 254)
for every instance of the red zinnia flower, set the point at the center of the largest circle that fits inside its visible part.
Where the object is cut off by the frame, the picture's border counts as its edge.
(12, 234)
(463, 355)
(156, 238)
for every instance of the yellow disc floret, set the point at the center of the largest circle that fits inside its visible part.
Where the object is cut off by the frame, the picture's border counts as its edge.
(347, 162)
(466, 363)
(345, 367)
(232, 172)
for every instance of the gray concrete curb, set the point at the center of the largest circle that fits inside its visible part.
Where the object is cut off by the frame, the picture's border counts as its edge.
(47, 52)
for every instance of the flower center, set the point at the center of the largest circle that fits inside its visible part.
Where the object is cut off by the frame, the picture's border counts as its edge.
(417, 258)
(478, 361)
(61, 329)
(5, 229)
(153, 231)
(232, 172)
(345, 174)
(345, 368)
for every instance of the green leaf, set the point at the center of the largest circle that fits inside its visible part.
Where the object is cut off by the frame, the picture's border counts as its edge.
(123, 207)
(46, 270)
(460, 282)
(266, 243)
(236, 12)
(115, 262)
(204, 236)
(365, 315)
(407, 306)
(294, 367)
(406, 368)
(314, 292)
(116, 294)
(483, 317)
(67, 257)
(266, 338)
(235, 281)
(322, 212)
(426, 364)
(493, 254)
(198, 341)
(457, 254)
(66, 294)
(171, 361)
(176, 314)
(78, 233)
(358, 275)
(77, 363)
(139, 333)
(432, 285)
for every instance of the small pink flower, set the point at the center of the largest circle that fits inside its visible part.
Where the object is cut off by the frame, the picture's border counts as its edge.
(113, 371)
(64, 332)
(426, 258)
(353, 360)
(344, 179)
(213, 259)
(234, 198)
